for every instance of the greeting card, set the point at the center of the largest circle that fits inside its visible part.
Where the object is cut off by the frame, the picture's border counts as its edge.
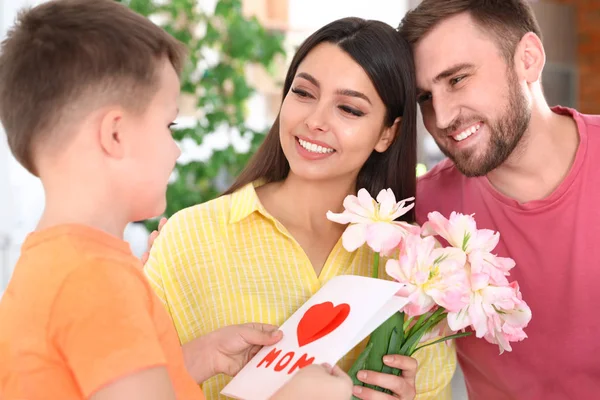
(331, 323)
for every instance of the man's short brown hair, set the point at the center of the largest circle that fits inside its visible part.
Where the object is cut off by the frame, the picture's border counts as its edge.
(66, 57)
(506, 21)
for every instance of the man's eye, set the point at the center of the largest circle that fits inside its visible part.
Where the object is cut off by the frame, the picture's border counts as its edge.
(456, 80)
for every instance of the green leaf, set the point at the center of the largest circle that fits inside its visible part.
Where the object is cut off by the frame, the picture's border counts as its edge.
(360, 364)
(381, 338)
(401, 318)
(393, 347)
(418, 324)
(407, 323)
(415, 335)
(466, 241)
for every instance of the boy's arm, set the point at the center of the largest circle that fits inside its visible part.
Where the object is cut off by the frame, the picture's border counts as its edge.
(227, 350)
(150, 384)
(102, 325)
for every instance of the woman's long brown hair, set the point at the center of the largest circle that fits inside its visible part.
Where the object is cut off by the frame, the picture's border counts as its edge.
(387, 59)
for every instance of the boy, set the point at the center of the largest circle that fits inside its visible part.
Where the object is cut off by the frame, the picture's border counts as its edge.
(88, 92)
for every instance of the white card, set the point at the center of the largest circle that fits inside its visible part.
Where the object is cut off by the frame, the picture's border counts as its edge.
(330, 324)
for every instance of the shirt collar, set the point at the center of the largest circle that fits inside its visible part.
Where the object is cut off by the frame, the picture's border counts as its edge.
(244, 202)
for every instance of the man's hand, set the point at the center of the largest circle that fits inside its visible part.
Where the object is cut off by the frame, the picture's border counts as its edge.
(227, 350)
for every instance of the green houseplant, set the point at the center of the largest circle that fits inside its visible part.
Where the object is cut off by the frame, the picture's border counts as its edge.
(221, 45)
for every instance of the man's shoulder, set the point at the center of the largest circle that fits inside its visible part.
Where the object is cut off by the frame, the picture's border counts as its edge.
(591, 121)
(440, 189)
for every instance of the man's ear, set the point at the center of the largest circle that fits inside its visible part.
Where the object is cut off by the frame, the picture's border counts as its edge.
(111, 133)
(530, 58)
(388, 136)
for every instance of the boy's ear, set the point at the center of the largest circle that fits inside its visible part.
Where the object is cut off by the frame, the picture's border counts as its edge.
(388, 136)
(111, 134)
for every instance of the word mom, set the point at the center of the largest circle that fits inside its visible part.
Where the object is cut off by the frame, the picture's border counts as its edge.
(285, 361)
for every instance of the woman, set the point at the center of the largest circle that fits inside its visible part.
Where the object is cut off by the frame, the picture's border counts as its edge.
(257, 253)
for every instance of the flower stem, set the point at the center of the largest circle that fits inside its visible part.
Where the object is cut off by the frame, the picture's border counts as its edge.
(456, 336)
(418, 324)
(376, 265)
(423, 325)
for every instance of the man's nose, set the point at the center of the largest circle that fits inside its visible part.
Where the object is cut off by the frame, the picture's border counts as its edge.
(445, 109)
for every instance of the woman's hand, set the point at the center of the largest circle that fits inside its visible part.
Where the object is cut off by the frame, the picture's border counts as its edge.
(402, 387)
(151, 240)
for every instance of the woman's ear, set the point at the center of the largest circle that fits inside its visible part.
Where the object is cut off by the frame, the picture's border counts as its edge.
(388, 136)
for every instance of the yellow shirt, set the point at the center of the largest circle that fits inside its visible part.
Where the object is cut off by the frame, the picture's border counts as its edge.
(228, 261)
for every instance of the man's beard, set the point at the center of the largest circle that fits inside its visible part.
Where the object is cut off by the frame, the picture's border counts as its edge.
(505, 134)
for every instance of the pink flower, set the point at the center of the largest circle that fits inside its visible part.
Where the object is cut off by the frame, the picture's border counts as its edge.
(461, 232)
(431, 276)
(497, 314)
(507, 324)
(373, 222)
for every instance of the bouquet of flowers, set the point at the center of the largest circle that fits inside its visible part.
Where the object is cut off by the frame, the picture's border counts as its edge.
(449, 288)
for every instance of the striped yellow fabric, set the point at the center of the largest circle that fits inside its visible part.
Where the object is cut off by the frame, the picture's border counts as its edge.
(228, 261)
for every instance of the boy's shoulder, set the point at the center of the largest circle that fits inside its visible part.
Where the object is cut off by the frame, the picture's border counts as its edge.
(89, 311)
(67, 253)
(62, 269)
(73, 243)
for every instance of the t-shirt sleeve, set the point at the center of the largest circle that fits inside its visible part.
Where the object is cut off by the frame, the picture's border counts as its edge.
(102, 324)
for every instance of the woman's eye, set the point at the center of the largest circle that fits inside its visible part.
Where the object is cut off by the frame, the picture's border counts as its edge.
(352, 111)
(301, 93)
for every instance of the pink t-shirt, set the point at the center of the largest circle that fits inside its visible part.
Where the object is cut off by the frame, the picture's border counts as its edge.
(556, 245)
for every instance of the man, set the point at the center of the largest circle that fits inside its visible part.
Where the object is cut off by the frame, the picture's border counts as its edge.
(524, 169)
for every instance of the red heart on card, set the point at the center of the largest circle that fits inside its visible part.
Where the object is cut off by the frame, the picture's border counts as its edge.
(320, 320)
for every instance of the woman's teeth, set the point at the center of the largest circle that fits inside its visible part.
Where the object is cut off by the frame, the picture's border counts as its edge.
(466, 133)
(313, 148)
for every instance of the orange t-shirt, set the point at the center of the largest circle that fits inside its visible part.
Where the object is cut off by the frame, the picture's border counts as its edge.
(78, 314)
